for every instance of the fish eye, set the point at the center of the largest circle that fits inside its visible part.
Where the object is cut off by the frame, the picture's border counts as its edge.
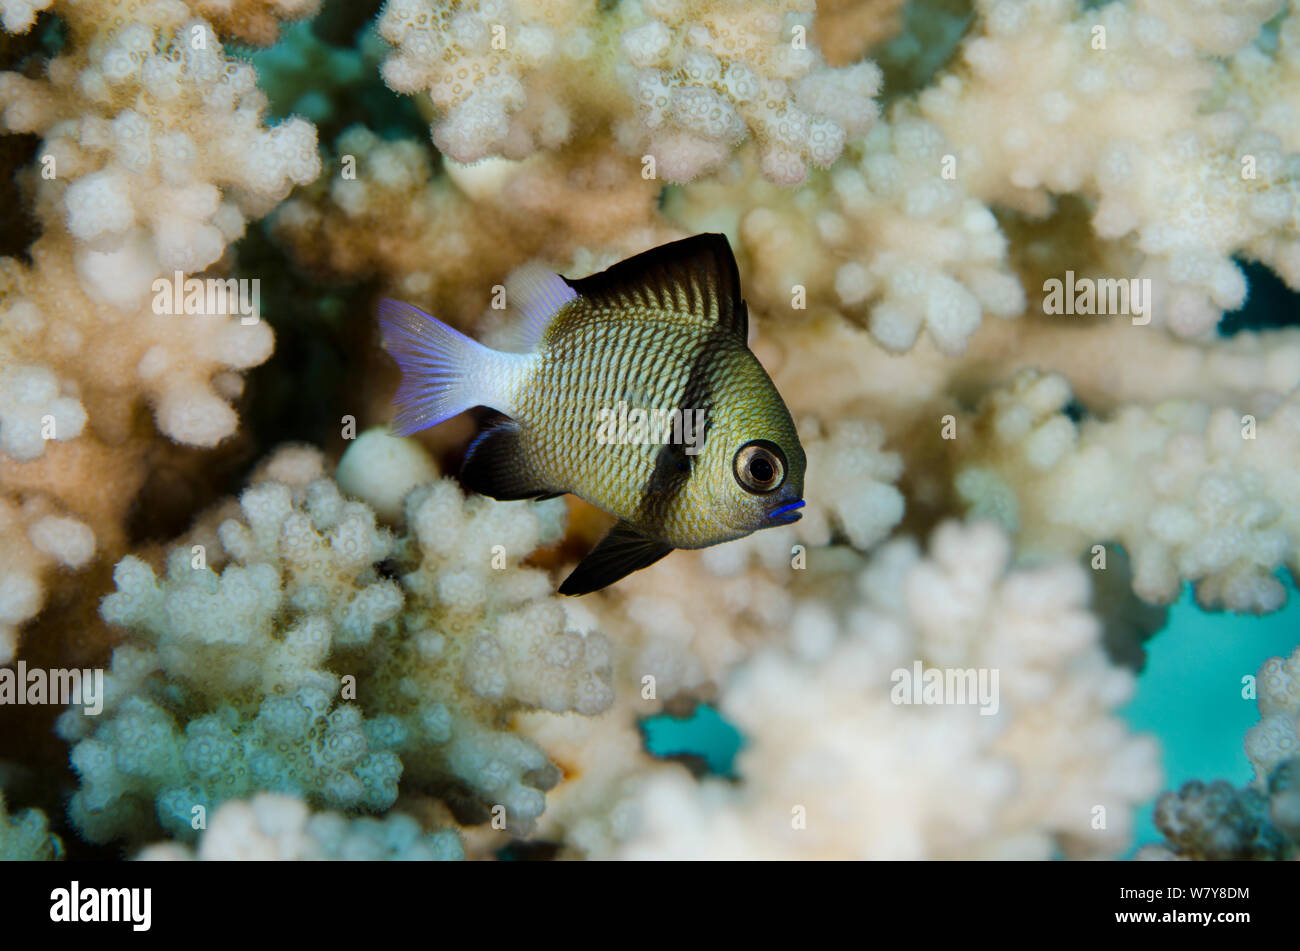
(760, 466)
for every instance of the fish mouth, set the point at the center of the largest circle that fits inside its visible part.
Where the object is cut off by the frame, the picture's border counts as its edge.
(787, 514)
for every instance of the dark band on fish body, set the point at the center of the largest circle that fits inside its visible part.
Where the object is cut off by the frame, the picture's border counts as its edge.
(673, 465)
(705, 269)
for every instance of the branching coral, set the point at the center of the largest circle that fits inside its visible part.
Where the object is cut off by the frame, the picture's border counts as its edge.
(846, 29)
(1214, 505)
(507, 78)
(835, 768)
(1267, 82)
(485, 640)
(154, 156)
(276, 827)
(1115, 103)
(887, 232)
(1215, 822)
(18, 16)
(251, 707)
(446, 241)
(332, 643)
(274, 656)
(253, 21)
(850, 476)
(731, 599)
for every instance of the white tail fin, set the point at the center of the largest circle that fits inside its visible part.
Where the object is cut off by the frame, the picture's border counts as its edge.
(444, 372)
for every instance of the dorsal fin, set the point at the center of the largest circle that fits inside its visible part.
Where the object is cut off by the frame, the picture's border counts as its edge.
(695, 277)
(537, 295)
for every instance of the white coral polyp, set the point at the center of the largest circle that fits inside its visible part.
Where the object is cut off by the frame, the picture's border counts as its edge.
(68, 541)
(18, 16)
(33, 411)
(196, 415)
(99, 204)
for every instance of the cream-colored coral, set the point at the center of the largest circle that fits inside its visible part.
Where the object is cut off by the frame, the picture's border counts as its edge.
(508, 78)
(484, 638)
(32, 408)
(154, 156)
(888, 237)
(252, 21)
(708, 73)
(850, 484)
(835, 767)
(138, 166)
(326, 646)
(603, 761)
(1267, 82)
(1115, 103)
(445, 242)
(38, 537)
(382, 469)
(1192, 493)
(184, 363)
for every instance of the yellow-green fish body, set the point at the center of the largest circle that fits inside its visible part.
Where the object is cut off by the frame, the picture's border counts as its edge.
(638, 393)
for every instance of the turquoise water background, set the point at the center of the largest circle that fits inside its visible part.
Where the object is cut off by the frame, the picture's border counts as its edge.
(1189, 693)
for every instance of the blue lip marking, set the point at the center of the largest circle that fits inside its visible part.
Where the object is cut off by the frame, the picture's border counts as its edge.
(787, 508)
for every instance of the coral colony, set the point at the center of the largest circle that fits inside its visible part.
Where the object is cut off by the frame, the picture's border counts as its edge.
(987, 249)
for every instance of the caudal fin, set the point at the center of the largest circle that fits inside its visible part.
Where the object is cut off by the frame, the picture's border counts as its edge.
(444, 372)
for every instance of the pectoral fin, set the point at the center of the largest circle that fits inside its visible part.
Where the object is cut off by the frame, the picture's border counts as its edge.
(494, 466)
(621, 552)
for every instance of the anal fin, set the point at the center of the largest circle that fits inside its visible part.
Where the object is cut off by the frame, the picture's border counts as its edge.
(621, 552)
(494, 466)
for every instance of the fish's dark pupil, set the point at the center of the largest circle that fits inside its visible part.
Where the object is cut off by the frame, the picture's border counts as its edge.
(761, 469)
